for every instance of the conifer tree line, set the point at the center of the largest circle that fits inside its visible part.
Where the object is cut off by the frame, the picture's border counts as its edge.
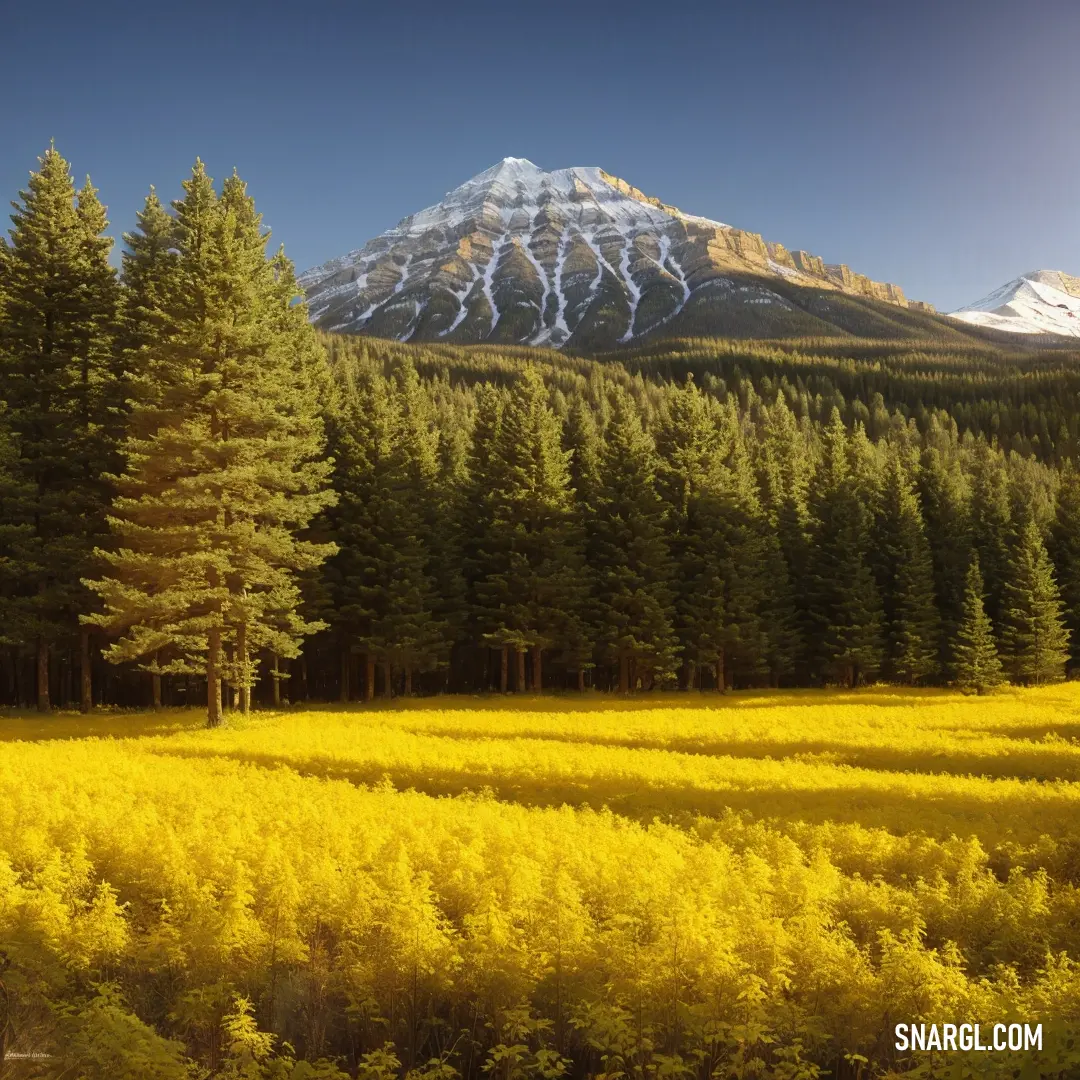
(1023, 399)
(163, 446)
(203, 502)
(597, 529)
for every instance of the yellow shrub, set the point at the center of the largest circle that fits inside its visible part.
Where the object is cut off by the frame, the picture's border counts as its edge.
(654, 874)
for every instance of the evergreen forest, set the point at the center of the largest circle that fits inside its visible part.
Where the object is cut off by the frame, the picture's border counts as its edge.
(205, 502)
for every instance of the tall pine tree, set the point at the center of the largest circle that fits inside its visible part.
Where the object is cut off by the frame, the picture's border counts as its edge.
(691, 484)
(843, 605)
(1065, 550)
(385, 599)
(1035, 639)
(628, 555)
(905, 578)
(536, 585)
(225, 465)
(975, 658)
(59, 380)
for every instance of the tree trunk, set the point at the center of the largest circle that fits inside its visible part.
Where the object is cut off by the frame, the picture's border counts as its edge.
(43, 675)
(581, 680)
(388, 679)
(276, 679)
(624, 674)
(519, 675)
(305, 695)
(369, 677)
(86, 685)
(16, 680)
(245, 672)
(408, 680)
(343, 690)
(504, 670)
(213, 679)
(720, 675)
(156, 685)
(65, 679)
(537, 669)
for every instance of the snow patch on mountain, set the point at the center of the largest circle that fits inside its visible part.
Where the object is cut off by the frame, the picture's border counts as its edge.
(489, 277)
(515, 189)
(1040, 302)
(632, 286)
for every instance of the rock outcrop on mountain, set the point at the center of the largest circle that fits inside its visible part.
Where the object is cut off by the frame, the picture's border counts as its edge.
(580, 258)
(1040, 302)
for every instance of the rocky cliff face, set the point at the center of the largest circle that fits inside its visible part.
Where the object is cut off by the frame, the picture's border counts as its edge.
(573, 257)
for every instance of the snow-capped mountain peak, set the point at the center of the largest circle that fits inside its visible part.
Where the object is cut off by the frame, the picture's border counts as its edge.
(1039, 302)
(521, 255)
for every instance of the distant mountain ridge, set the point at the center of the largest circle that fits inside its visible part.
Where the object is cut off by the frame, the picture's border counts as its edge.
(1039, 302)
(579, 258)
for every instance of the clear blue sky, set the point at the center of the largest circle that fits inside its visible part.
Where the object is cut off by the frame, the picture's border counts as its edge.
(935, 145)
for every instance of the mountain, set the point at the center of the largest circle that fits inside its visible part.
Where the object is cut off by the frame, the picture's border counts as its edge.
(579, 258)
(1042, 302)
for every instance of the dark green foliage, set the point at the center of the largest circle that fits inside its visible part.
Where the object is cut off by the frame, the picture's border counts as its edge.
(843, 607)
(224, 462)
(989, 526)
(943, 491)
(59, 380)
(1035, 640)
(975, 657)
(998, 388)
(691, 447)
(1065, 549)
(383, 589)
(905, 579)
(532, 588)
(150, 264)
(627, 553)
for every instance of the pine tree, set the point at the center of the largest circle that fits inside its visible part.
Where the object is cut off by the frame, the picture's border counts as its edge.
(1035, 640)
(758, 613)
(843, 605)
(16, 536)
(535, 584)
(975, 658)
(989, 526)
(149, 268)
(581, 440)
(224, 465)
(730, 576)
(785, 464)
(482, 543)
(943, 496)
(905, 578)
(385, 599)
(428, 518)
(628, 555)
(59, 381)
(691, 484)
(360, 432)
(1065, 550)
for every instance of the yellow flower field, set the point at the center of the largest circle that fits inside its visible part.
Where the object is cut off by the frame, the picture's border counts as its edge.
(760, 884)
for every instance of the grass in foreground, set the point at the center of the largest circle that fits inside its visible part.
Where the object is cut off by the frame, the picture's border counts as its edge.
(668, 886)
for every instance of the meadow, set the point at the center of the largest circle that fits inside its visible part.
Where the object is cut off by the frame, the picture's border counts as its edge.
(758, 884)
